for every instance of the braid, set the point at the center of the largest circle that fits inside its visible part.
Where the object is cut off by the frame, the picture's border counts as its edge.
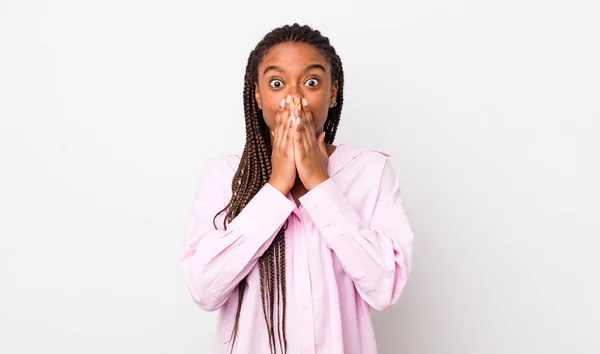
(270, 287)
(263, 282)
(281, 290)
(271, 294)
(255, 169)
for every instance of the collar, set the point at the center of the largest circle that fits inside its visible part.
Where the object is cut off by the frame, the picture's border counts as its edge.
(340, 157)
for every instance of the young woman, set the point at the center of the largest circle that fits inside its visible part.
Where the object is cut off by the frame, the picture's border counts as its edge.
(295, 240)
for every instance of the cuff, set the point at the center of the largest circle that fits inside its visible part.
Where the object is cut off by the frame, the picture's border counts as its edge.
(330, 211)
(265, 212)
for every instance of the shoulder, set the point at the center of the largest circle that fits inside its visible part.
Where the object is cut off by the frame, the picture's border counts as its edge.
(214, 183)
(223, 162)
(363, 165)
(366, 155)
(360, 175)
(220, 169)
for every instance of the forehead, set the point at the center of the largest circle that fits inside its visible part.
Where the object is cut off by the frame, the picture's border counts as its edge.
(292, 56)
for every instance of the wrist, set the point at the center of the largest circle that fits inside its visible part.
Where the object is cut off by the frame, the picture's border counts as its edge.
(316, 181)
(280, 188)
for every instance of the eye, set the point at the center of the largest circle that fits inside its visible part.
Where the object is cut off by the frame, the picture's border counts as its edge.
(312, 83)
(276, 83)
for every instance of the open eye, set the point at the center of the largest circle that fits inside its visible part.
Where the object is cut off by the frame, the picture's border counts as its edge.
(276, 83)
(312, 83)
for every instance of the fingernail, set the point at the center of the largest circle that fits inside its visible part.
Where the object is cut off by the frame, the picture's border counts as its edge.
(288, 98)
(291, 104)
(282, 103)
(304, 102)
(292, 117)
(298, 121)
(299, 105)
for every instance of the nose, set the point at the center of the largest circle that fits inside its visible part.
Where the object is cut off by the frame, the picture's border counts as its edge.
(295, 91)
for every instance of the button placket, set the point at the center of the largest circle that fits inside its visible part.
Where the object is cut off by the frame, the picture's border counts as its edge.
(305, 293)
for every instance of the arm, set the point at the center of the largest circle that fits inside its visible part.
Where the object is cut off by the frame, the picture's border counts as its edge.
(377, 253)
(213, 263)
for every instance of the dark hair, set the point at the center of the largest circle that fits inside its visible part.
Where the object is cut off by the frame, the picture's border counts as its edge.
(255, 167)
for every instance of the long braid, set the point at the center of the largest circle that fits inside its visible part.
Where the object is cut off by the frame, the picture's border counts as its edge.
(280, 274)
(281, 290)
(255, 169)
(263, 282)
(270, 290)
(271, 295)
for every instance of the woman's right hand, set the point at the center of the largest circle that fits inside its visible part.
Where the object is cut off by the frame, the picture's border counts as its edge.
(283, 172)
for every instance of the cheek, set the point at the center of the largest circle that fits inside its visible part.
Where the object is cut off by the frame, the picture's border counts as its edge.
(319, 111)
(270, 114)
(270, 122)
(319, 123)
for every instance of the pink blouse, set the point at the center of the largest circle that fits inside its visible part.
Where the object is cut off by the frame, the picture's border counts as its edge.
(348, 250)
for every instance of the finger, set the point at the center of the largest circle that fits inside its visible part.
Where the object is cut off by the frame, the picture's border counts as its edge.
(310, 135)
(288, 133)
(298, 119)
(296, 133)
(290, 140)
(291, 124)
(297, 124)
(307, 110)
(308, 138)
(297, 107)
(279, 118)
(307, 117)
(280, 111)
(291, 111)
(284, 120)
(302, 141)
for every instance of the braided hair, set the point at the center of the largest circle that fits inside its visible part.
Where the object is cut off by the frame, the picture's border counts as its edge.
(254, 170)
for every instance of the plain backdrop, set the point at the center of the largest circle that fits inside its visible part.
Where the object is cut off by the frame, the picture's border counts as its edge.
(490, 109)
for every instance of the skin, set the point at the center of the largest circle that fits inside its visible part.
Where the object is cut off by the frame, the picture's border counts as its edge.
(294, 78)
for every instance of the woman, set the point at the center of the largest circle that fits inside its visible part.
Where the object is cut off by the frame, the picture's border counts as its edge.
(295, 240)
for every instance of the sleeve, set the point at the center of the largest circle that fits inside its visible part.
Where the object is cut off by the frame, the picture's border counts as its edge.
(212, 261)
(377, 253)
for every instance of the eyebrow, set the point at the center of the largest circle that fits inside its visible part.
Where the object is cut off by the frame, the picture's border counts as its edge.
(307, 68)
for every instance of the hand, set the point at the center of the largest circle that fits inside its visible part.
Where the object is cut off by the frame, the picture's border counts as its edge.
(283, 172)
(309, 150)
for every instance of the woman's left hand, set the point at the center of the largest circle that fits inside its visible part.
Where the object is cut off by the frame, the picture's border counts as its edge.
(309, 149)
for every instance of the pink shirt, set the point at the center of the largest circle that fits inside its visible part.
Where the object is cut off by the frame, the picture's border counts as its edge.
(348, 250)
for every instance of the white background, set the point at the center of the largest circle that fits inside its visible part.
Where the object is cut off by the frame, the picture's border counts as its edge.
(109, 110)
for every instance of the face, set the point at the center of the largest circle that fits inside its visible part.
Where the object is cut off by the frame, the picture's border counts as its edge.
(299, 70)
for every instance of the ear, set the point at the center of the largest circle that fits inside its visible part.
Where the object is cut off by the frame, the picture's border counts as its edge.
(334, 90)
(257, 96)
